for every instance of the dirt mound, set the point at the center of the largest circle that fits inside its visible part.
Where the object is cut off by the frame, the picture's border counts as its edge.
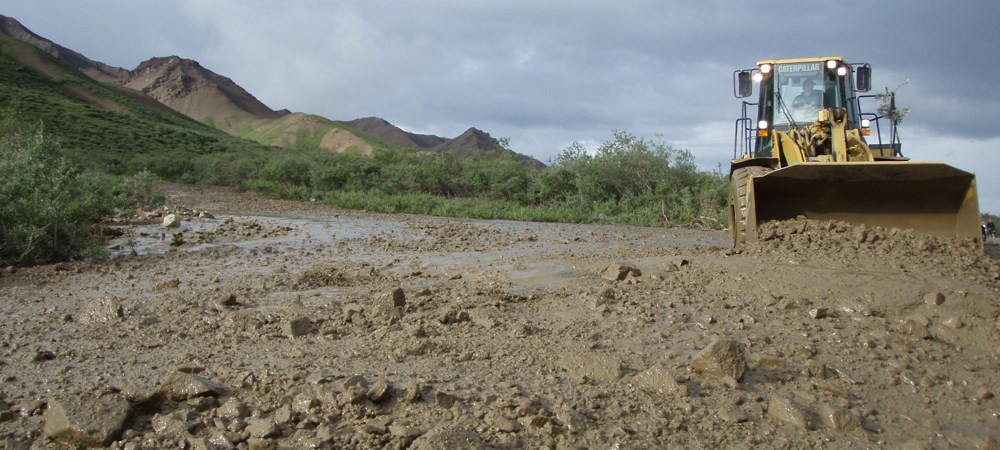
(841, 244)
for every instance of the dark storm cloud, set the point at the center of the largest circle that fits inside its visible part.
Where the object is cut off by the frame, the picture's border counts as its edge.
(545, 74)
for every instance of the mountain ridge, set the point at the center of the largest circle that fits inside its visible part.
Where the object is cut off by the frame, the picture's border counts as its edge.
(184, 85)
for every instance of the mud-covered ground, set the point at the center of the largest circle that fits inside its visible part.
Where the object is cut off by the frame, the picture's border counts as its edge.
(268, 324)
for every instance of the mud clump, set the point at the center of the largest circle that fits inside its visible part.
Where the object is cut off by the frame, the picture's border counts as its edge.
(311, 327)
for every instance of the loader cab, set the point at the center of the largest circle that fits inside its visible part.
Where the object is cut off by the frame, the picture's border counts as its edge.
(790, 95)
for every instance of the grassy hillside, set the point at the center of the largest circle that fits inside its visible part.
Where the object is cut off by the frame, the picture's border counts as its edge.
(305, 131)
(100, 126)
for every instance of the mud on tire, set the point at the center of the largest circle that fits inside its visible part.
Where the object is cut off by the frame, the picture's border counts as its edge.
(738, 183)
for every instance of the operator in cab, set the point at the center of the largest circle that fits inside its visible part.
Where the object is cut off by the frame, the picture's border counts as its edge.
(809, 99)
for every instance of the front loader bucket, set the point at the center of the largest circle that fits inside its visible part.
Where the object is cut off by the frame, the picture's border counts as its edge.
(928, 197)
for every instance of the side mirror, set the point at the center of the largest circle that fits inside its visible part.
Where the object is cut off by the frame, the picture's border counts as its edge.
(744, 84)
(864, 78)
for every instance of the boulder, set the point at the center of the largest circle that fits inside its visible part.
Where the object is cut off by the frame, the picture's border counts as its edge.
(181, 386)
(170, 425)
(934, 298)
(836, 419)
(101, 310)
(390, 305)
(722, 358)
(234, 409)
(85, 421)
(791, 413)
(171, 221)
(378, 392)
(659, 380)
(262, 427)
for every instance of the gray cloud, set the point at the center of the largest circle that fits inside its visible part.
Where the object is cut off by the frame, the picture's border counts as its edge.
(545, 74)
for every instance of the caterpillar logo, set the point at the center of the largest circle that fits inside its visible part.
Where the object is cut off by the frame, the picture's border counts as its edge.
(799, 67)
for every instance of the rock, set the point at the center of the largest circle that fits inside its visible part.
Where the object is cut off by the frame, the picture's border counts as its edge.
(785, 410)
(283, 415)
(619, 272)
(101, 310)
(454, 316)
(451, 436)
(234, 409)
(354, 390)
(262, 427)
(404, 431)
(390, 305)
(916, 327)
(934, 298)
(819, 313)
(722, 358)
(304, 403)
(816, 369)
(445, 400)
(501, 422)
(170, 425)
(181, 386)
(43, 355)
(733, 414)
(261, 444)
(171, 221)
(297, 326)
(659, 380)
(227, 300)
(413, 392)
(86, 421)
(378, 392)
(167, 285)
(836, 419)
(206, 215)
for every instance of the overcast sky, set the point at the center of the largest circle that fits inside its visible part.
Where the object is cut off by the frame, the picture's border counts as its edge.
(547, 73)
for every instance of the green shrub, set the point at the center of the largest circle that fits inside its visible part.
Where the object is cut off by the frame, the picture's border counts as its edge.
(49, 207)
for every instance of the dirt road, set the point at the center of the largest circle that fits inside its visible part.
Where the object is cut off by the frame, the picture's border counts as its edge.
(269, 324)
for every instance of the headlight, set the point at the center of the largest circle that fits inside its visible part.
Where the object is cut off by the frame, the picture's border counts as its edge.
(762, 124)
(765, 68)
(865, 123)
(831, 64)
(757, 76)
(842, 71)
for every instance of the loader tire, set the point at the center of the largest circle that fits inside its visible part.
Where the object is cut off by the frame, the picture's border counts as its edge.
(738, 207)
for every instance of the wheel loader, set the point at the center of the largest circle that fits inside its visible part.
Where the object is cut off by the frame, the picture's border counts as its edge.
(811, 153)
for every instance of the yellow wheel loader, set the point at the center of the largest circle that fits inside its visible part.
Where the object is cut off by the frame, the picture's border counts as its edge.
(807, 154)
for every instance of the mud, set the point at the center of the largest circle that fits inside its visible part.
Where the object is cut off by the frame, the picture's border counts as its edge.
(269, 324)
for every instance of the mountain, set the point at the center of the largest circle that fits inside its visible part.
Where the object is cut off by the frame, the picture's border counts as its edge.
(196, 92)
(381, 128)
(185, 86)
(102, 125)
(96, 70)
